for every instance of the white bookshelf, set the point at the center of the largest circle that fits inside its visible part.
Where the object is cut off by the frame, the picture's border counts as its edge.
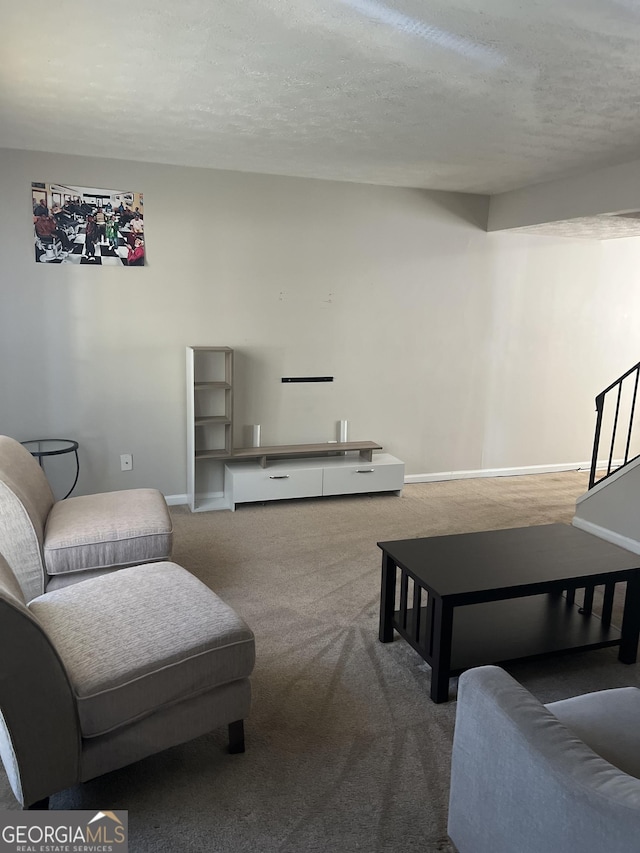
(209, 424)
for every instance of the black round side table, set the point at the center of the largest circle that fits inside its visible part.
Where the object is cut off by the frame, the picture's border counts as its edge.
(41, 447)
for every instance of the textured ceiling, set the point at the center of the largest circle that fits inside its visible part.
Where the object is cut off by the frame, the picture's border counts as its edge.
(606, 227)
(442, 94)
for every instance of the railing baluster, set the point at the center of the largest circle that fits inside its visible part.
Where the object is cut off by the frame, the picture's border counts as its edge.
(633, 407)
(615, 427)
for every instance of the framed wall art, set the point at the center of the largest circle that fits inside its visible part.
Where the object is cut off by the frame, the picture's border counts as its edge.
(86, 225)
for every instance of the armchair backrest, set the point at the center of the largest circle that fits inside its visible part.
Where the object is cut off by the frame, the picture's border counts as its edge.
(39, 731)
(521, 780)
(26, 500)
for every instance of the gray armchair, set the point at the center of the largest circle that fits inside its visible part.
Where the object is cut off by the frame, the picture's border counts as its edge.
(531, 778)
(50, 544)
(99, 674)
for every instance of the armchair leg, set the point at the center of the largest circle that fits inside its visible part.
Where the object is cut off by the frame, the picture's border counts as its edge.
(40, 805)
(236, 736)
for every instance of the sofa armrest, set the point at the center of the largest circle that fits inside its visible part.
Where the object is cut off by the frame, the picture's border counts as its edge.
(520, 780)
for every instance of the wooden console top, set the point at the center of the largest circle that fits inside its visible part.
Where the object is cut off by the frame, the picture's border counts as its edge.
(365, 448)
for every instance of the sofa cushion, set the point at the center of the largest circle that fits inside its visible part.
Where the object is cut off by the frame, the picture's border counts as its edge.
(107, 530)
(144, 654)
(609, 722)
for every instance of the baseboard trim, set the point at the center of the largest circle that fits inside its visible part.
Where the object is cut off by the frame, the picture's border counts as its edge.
(176, 500)
(608, 535)
(497, 472)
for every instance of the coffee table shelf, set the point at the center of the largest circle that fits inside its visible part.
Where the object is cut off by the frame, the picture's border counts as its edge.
(503, 631)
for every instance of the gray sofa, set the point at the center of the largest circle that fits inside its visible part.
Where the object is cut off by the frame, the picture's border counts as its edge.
(534, 778)
(50, 544)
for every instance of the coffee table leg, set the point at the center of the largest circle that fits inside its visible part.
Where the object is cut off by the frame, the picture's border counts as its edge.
(387, 599)
(630, 622)
(441, 661)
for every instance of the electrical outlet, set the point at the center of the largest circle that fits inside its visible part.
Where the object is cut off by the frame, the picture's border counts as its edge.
(126, 462)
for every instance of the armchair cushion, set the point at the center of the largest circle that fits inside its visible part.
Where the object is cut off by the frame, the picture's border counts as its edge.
(608, 721)
(142, 659)
(107, 530)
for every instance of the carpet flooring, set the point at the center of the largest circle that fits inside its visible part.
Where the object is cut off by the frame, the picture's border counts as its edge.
(345, 750)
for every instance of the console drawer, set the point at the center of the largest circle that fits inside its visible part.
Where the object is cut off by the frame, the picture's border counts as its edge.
(362, 477)
(274, 483)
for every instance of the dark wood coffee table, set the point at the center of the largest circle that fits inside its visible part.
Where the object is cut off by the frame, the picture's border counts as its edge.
(497, 596)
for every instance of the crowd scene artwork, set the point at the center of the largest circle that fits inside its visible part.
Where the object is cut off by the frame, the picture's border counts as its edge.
(89, 226)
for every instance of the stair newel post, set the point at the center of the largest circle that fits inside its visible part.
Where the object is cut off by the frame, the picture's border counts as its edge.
(596, 439)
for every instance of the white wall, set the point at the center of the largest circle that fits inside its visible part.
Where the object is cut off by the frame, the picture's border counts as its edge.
(454, 348)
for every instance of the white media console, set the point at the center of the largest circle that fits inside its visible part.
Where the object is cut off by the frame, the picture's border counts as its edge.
(219, 475)
(312, 476)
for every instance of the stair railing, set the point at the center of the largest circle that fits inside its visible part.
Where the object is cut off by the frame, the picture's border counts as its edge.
(615, 391)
